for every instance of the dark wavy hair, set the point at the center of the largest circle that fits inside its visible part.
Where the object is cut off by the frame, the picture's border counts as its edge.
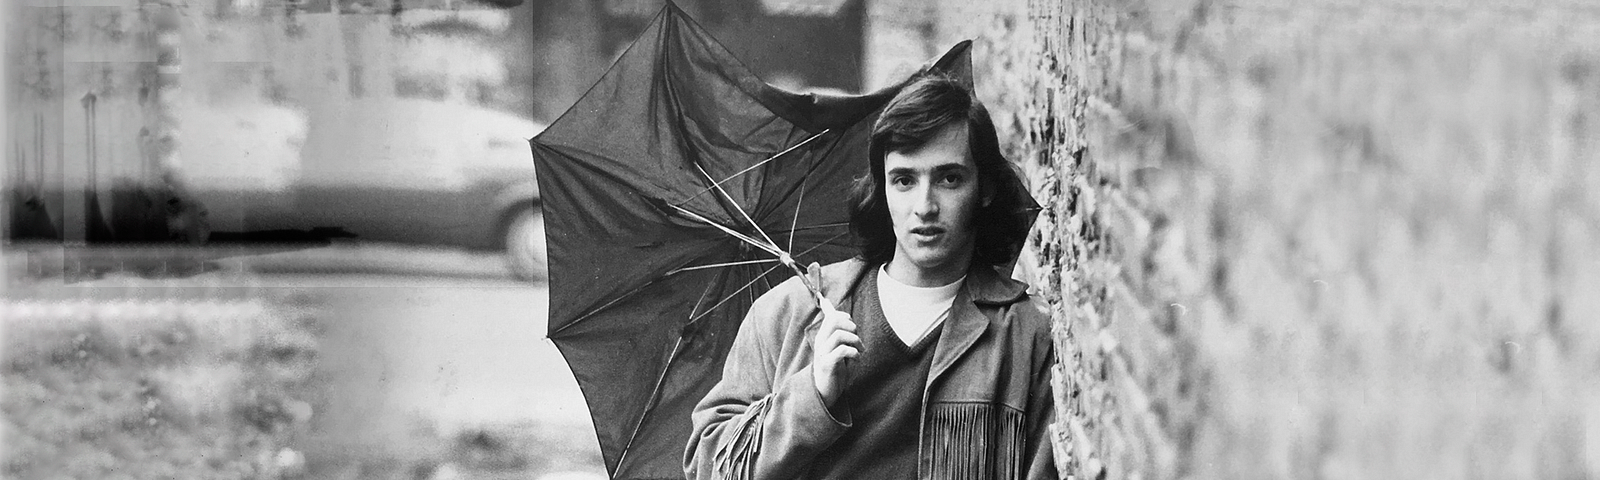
(912, 119)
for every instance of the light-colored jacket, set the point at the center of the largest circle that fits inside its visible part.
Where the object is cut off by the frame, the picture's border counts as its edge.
(986, 404)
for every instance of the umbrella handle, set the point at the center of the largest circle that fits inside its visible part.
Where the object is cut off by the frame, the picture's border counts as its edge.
(823, 304)
(826, 305)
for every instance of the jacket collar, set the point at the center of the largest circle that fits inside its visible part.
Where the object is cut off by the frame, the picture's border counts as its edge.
(985, 286)
(966, 324)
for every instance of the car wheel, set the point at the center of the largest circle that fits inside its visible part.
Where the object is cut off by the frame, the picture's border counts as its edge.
(525, 250)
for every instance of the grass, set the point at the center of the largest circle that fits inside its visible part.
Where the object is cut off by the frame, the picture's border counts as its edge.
(221, 375)
(154, 389)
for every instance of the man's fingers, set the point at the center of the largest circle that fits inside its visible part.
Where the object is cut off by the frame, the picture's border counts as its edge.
(839, 322)
(841, 337)
(826, 305)
(837, 339)
(831, 316)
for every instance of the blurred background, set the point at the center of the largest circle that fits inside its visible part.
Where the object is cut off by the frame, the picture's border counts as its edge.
(302, 239)
(1282, 239)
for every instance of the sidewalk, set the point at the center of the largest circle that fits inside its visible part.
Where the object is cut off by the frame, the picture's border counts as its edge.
(35, 264)
(28, 266)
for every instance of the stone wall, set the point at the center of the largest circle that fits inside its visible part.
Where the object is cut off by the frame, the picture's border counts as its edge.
(1318, 240)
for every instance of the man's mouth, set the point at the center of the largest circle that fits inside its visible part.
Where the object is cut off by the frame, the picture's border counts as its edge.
(928, 231)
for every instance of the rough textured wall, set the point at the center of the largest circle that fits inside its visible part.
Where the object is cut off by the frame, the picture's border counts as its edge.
(1319, 240)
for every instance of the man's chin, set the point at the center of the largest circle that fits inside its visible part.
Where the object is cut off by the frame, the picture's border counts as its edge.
(928, 259)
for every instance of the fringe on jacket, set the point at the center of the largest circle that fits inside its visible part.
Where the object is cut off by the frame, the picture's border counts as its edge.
(737, 460)
(972, 441)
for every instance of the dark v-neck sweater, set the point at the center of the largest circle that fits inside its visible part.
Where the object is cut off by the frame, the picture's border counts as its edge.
(884, 398)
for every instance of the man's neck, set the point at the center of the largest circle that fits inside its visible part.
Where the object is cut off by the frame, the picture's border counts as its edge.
(914, 275)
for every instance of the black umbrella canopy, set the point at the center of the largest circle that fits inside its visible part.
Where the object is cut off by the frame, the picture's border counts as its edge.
(645, 295)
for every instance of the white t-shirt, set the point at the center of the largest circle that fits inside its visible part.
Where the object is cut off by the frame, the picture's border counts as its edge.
(913, 312)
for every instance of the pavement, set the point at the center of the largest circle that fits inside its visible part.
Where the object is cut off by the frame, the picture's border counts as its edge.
(53, 262)
(460, 351)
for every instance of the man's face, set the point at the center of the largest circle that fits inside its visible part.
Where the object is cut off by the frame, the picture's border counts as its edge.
(932, 194)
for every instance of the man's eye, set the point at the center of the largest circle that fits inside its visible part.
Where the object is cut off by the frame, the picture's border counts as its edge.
(900, 181)
(951, 179)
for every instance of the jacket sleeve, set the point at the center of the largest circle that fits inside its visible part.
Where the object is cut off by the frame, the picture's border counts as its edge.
(764, 419)
(1042, 411)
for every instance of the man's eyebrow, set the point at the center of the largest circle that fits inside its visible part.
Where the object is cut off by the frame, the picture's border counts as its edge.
(945, 168)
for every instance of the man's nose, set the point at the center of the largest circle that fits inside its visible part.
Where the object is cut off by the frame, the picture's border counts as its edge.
(925, 205)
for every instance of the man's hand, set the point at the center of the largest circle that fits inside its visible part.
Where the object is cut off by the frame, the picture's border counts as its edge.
(835, 344)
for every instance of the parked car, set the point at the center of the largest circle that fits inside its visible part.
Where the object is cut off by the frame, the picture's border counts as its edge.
(409, 171)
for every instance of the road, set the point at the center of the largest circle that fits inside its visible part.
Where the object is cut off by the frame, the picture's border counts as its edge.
(422, 345)
(457, 351)
(425, 344)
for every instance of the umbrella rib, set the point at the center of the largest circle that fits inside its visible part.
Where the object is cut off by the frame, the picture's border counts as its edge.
(707, 292)
(769, 248)
(808, 172)
(824, 242)
(765, 283)
(816, 290)
(753, 167)
(735, 293)
(735, 204)
(716, 265)
(764, 275)
(650, 404)
(812, 169)
(797, 203)
(602, 308)
(820, 226)
(775, 156)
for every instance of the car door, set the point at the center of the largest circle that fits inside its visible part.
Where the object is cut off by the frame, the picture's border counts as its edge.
(388, 171)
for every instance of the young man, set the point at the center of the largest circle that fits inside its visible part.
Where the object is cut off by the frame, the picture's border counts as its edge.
(932, 365)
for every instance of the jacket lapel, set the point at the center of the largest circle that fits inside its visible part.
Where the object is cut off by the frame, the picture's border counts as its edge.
(959, 332)
(966, 322)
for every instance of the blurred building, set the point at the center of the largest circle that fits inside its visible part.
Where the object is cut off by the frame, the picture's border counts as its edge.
(563, 46)
(256, 97)
(246, 102)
